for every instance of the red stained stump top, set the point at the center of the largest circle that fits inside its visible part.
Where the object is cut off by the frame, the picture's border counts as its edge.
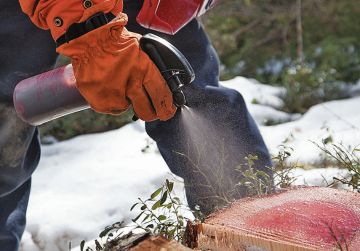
(314, 218)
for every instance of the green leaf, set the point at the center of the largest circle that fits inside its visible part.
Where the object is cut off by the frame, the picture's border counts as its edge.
(147, 217)
(137, 217)
(163, 198)
(143, 207)
(98, 246)
(156, 193)
(82, 245)
(118, 224)
(162, 217)
(176, 199)
(247, 2)
(170, 185)
(133, 206)
(171, 233)
(287, 153)
(262, 174)
(327, 140)
(105, 231)
(156, 205)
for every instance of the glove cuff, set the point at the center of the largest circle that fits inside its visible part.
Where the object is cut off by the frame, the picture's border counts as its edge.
(78, 29)
(97, 38)
(58, 15)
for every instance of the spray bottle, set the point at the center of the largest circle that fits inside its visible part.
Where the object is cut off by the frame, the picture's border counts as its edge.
(53, 94)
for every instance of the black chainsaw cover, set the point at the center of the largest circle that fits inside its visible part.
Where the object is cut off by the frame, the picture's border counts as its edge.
(173, 65)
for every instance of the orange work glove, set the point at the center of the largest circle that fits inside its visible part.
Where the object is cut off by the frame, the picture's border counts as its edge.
(111, 71)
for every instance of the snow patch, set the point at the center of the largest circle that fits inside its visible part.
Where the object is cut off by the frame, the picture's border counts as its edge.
(336, 119)
(255, 92)
(89, 182)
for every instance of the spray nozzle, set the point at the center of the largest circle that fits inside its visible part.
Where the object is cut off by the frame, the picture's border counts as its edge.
(179, 98)
(172, 64)
(174, 79)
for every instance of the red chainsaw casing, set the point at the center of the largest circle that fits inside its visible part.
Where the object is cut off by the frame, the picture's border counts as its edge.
(169, 16)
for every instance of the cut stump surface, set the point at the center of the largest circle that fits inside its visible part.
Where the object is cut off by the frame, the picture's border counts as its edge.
(310, 218)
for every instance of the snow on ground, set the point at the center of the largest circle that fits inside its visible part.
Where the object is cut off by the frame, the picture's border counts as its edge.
(264, 101)
(317, 176)
(88, 182)
(338, 119)
(91, 181)
(255, 92)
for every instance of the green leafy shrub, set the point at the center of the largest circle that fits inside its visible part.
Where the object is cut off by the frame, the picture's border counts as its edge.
(161, 214)
(307, 86)
(341, 54)
(346, 158)
(256, 182)
(259, 182)
(283, 168)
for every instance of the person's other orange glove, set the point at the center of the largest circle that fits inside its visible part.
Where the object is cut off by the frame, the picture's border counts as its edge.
(111, 71)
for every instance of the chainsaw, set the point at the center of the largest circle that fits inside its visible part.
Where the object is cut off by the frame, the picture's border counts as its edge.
(53, 94)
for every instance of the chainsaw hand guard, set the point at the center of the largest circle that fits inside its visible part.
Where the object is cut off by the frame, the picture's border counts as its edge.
(172, 64)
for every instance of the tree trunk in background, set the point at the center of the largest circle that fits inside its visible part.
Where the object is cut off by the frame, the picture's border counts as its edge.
(299, 30)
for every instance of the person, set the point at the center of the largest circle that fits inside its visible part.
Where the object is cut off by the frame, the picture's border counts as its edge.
(112, 74)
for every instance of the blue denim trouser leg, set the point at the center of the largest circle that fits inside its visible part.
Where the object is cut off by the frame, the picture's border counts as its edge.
(209, 154)
(19, 155)
(12, 217)
(25, 50)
